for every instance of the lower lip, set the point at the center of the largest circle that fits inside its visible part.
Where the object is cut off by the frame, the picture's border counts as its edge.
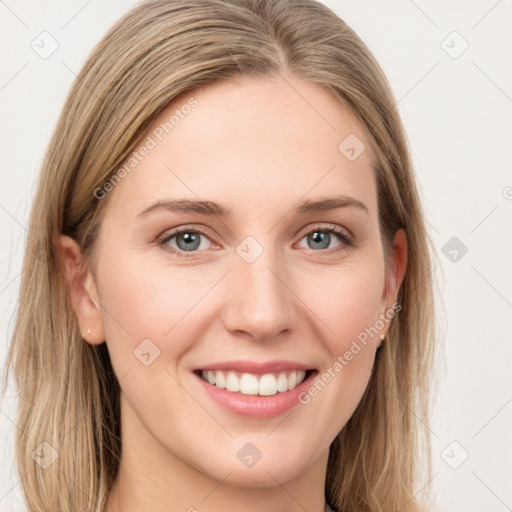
(256, 406)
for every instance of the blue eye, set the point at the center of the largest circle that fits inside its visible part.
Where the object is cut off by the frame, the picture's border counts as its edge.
(188, 240)
(322, 237)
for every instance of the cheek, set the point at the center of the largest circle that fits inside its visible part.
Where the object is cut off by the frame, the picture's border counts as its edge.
(142, 300)
(147, 308)
(348, 303)
(349, 307)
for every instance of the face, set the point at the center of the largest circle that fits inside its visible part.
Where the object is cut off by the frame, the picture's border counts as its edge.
(269, 289)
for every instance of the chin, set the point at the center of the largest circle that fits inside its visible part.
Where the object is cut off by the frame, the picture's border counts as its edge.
(249, 466)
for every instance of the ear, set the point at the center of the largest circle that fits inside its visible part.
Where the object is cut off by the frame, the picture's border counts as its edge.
(396, 268)
(82, 290)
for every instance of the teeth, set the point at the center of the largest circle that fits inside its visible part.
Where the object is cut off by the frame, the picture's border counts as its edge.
(282, 382)
(267, 385)
(232, 382)
(220, 380)
(250, 384)
(292, 380)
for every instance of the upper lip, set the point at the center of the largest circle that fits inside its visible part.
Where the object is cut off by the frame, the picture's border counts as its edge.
(256, 367)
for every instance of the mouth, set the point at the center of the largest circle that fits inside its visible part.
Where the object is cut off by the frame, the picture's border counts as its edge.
(245, 383)
(255, 390)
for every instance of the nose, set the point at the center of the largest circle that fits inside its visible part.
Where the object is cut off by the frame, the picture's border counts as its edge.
(260, 302)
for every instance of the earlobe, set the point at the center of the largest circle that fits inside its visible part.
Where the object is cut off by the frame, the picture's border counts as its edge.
(81, 289)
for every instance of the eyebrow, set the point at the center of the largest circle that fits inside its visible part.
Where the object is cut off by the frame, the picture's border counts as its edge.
(216, 210)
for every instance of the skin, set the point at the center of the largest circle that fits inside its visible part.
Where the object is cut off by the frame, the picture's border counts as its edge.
(257, 147)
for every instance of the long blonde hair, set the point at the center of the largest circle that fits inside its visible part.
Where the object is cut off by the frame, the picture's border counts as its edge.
(68, 393)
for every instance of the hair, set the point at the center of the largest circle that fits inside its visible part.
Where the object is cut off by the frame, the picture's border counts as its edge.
(68, 392)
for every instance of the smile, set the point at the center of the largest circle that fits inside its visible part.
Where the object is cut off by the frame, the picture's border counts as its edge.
(253, 384)
(255, 390)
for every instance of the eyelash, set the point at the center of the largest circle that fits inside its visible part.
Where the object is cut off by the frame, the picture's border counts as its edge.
(342, 235)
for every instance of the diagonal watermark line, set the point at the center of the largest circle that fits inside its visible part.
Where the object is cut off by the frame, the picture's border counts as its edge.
(424, 14)
(492, 418)
(280, 423)
(10, 282)
(492, 211)
(508, 508)
(215, 488)
(14, 76)
(417, 83)
(301, 300)
(14, 486)
(510, 304)
(103, 308)
(200, 299)
(13, 217)
(76, 76)
(424, 423)
(416, 494)
(424, 279)
(307, 102)
(286, 491)
(3, 2)
(428, 222)
(121, 378)
(166, 166)
(11, 420)
(485, 15)
(75, 15)
(297, 202)
(492, 81)
(199, 403)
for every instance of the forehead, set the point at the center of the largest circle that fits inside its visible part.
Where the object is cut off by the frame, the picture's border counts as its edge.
(249, 142)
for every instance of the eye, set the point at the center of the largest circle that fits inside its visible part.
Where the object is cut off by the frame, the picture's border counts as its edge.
(186, 240)
(321, 237)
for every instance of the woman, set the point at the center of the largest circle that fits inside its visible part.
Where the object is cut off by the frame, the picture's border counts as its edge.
(225, 301)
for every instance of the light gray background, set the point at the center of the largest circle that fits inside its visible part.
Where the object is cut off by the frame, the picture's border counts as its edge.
(457, 112)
